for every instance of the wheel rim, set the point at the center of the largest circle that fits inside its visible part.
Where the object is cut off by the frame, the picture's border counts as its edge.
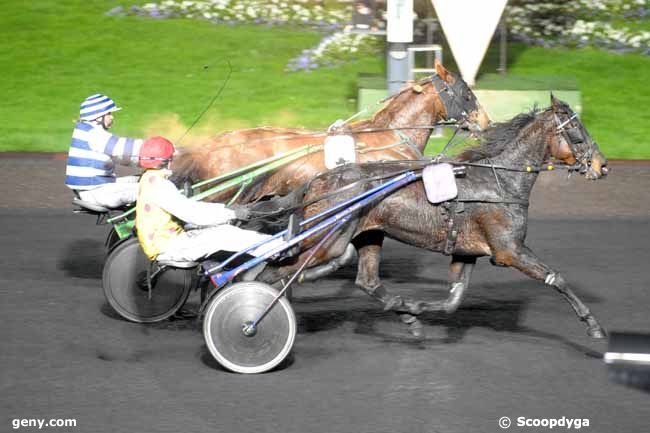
(238, 305)
(124, 282)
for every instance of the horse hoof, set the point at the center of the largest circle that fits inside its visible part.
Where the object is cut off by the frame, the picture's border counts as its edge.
(417, 331)
(597, 332)
(393, 303)
(415, 326)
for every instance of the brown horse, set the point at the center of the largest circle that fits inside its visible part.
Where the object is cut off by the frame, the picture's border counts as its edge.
(400, 130)
(489, 215)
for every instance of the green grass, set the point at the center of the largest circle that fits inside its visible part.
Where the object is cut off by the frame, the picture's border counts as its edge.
(615, 90)
(57, 53)
(615, 93)
(495, 81)
(54, 54)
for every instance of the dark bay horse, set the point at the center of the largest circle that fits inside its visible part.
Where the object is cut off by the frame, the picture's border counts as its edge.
(490, 213)
(407, 118)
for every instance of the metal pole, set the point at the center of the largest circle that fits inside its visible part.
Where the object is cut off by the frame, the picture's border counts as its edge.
(399, 33)
(503, 45)
(397, 67)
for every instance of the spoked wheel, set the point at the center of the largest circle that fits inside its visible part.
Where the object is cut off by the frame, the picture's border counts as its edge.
(125, 285)
(229, 337)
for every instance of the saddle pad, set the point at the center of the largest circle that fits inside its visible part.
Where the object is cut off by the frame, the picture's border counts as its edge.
(439, 182)
(339, 150)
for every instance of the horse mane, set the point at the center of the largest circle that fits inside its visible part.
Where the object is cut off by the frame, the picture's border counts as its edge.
(185, 166)
(385, 114)
(497, 137)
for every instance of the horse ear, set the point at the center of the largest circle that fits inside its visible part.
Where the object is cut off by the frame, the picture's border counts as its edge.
(554, 100)
(441, 71)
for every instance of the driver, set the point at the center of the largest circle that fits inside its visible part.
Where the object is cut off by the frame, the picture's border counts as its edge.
(160, 207)
(90, 171)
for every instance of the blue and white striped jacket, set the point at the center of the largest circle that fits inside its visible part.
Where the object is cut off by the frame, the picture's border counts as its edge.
(91, 155)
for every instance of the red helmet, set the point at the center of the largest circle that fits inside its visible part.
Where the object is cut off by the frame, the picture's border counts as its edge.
(155, 151)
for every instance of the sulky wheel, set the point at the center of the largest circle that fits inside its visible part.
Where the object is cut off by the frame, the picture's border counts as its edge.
(242, 349)
(125, 285)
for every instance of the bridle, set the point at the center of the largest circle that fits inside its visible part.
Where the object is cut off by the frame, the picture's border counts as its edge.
(451, 96)
(456, 113)
(574, 136)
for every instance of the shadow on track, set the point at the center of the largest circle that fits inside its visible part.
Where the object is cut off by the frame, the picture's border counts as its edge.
(83, 258)
(208, 360)
(501, 312)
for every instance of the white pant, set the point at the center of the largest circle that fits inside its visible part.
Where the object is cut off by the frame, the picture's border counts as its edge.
(192, 245)
(113, 195)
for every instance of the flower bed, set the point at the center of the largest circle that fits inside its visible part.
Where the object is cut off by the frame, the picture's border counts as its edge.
(271, 12)
(340, 47)
(549, 23)
(580, 23)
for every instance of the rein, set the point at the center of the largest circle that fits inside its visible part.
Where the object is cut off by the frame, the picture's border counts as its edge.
(412, 165)
(418, 165)
(302, 205)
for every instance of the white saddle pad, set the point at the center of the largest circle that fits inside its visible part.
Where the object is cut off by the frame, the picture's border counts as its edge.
(439, 182)
(339, 150)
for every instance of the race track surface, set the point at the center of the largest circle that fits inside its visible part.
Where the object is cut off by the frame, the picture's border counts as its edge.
(514, 348)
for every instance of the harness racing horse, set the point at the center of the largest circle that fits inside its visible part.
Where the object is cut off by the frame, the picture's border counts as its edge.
(489, 214)
(400, 130)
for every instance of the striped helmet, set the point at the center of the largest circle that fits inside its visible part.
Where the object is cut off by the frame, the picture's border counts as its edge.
(96, 106)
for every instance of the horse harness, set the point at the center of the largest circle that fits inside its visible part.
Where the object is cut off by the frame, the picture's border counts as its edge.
(453, 210)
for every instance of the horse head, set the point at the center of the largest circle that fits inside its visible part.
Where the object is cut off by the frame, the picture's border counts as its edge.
(572, 143)
(459, 101)
(443, 96)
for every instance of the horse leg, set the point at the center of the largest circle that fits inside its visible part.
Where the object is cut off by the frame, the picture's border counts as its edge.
(369, 248)
(527, 262)
(460, 273)
(334, 248)
(328, 268)
(370, 238)
(368, 245)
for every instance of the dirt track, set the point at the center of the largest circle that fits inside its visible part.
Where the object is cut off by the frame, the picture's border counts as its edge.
(513, 349)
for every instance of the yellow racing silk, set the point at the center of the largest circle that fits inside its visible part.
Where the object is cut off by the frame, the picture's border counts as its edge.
(156, 228)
